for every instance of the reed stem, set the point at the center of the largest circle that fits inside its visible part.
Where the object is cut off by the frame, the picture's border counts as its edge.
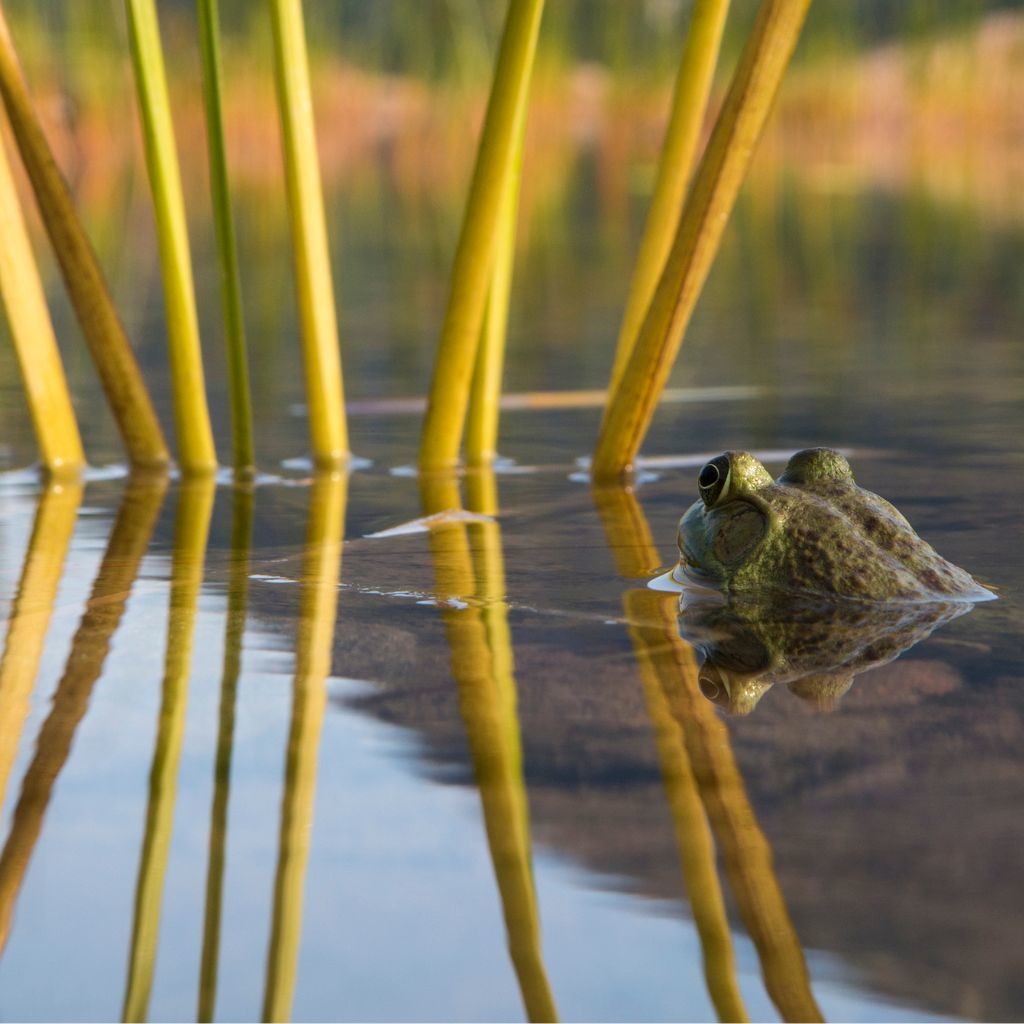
(473, 270)
(315, 291)
(722, 169)
(196, 452)
(35, 345)
(110, 350)
(485, 395)
(689, 100)
(243, 449)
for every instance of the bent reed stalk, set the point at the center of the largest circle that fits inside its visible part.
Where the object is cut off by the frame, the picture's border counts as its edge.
(196, 453)
(110, 350)
(35, 344)
(243, 450)
(689, 101)
(472, 272)
(632, 404)
(314, 288)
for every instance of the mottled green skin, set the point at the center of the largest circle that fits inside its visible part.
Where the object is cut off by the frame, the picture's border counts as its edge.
(813, 531)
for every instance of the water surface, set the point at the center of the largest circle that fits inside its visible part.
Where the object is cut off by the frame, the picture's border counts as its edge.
(372, 740)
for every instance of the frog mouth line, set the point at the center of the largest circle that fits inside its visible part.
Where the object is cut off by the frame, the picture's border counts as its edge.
(687, 569)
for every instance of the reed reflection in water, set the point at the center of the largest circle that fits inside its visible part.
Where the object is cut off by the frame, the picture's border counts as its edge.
(470, 582)
(238, 593)
(320, 574)
(707, 800)
(704, 786)
(128, 542)
(30, 617)
(191, 528)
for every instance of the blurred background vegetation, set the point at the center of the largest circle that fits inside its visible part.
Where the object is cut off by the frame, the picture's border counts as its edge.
(445, 40)
(919, 101)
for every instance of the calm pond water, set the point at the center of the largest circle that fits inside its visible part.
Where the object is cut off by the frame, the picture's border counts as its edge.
(317, 775)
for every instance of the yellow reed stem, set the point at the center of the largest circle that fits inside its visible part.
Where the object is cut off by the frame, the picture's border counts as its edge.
(191, 527)
(113, 356)
(689, 99)
(35, 345)
(196, 453)
(474, 257)
(485, 395)
(315, 292)
(30, 615)
(128, 542)
(318, 605)
(722, 169)
(632, 545)
(238, 592)
(482, 666)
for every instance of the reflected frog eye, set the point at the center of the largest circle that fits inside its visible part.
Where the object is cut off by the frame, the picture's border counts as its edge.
(714, 477)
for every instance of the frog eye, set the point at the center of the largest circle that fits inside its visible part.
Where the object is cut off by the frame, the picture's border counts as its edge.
(713, 479)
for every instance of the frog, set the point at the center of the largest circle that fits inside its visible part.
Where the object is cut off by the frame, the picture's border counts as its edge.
(813, 531)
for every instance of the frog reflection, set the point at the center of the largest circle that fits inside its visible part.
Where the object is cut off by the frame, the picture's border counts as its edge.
(811, 532)
(814, 647)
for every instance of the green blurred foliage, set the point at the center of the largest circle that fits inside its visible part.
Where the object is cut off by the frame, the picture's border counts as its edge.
(452, 40)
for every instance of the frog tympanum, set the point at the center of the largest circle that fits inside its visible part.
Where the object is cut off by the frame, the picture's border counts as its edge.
(812, 531)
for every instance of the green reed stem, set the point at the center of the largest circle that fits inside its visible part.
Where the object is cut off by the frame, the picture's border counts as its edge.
(485, 396)
(689, 99)
(315, 291)
(227, 249)
(196, 452)
(724, 165)
(110, 350)
(35, 345)
(472, 272)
